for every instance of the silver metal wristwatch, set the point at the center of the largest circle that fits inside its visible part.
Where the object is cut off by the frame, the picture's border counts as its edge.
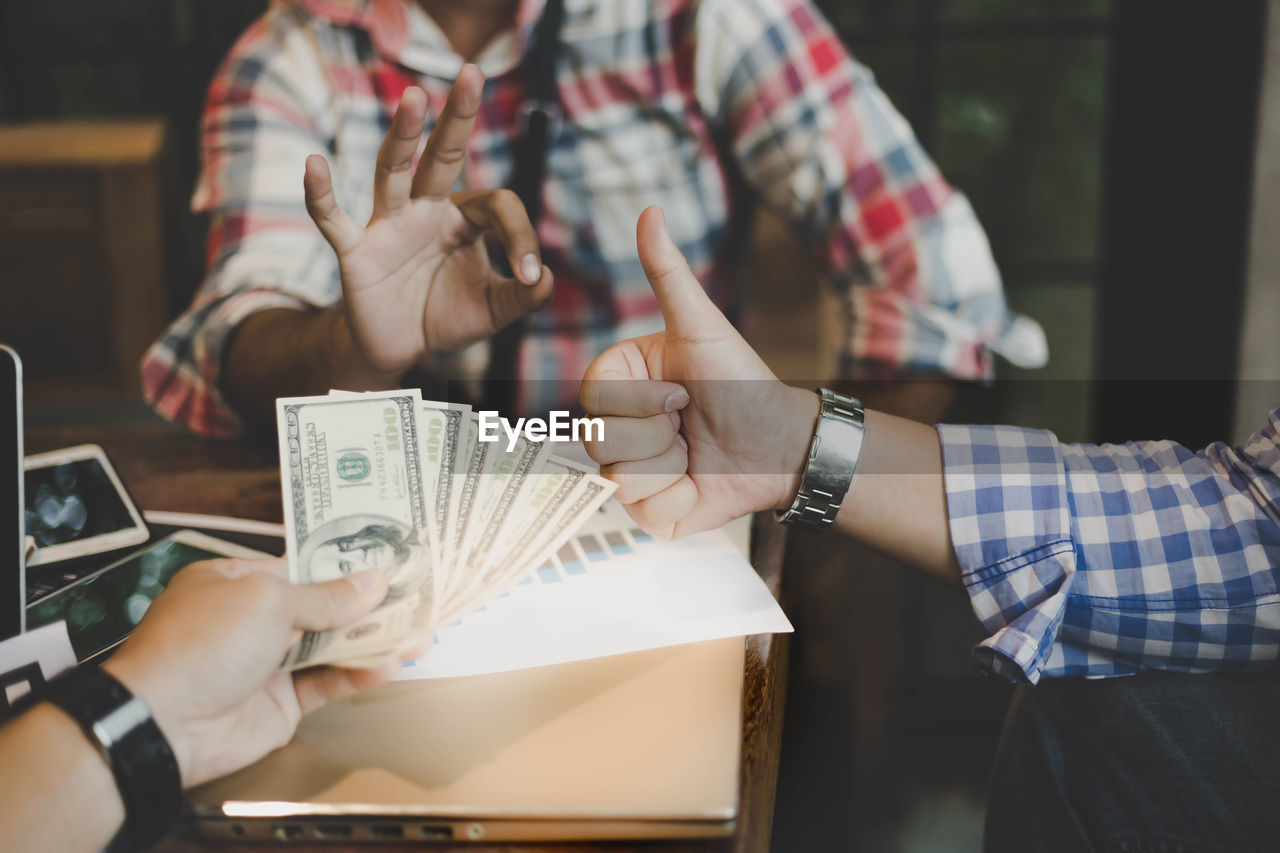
(833, 454)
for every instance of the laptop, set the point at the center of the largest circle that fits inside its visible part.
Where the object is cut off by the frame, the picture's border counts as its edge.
(13, 597)
(637, 746)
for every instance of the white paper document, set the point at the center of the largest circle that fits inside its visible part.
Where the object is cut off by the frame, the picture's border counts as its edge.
(31, 659)
(609, 590)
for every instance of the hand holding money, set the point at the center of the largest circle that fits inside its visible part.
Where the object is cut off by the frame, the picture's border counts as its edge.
(387, 481)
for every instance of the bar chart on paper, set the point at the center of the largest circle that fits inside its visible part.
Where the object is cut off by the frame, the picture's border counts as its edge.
(609, 535)
(610, 589)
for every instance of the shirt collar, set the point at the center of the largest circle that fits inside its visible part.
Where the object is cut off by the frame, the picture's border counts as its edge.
(402, 32)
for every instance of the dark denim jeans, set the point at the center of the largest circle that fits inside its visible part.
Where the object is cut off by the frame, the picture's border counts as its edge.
(1153, 762)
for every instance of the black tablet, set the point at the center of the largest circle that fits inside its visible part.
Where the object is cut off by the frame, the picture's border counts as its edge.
(12, 529)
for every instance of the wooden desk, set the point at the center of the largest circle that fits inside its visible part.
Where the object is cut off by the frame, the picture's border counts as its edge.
(166, 469)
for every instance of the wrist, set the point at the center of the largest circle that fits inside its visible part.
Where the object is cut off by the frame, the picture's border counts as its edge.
(141, 680)
(119, 725)
(347, 366)
(56, 756)
(802, 409)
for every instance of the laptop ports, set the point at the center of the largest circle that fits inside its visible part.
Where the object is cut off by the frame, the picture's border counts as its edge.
(333, 830)
(386, 830)
(289, 832)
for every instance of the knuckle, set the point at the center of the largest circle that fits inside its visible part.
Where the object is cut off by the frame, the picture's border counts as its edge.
(647, 513)
(387, 169)
(262, 589)
(284, 734)
(446, 155)
(680, 456)
(506, 200)
(627, 492)
(229, 568)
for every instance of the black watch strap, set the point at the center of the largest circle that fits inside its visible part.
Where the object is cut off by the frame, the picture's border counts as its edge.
(119, 724)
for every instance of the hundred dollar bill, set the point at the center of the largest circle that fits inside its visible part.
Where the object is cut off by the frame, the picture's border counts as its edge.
(587, 496)
(469, 489)
(509, 474)
(442, 441)
(468, 436)
(499, 503)
(444, 453)
(547, 501)
(354, 499)
(562, 502)
(537, 505)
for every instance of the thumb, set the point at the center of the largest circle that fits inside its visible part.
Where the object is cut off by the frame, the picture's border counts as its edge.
(686, 308)
(332, 604)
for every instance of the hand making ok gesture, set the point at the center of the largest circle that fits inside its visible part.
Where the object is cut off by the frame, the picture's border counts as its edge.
(417, 279)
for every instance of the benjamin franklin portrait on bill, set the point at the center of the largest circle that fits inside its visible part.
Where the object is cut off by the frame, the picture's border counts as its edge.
(354, 543)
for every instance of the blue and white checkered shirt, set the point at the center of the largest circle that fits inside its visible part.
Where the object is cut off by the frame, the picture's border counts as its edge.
(1108, 560)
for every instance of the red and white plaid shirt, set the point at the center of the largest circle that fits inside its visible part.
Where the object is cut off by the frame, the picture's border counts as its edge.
(706, 107)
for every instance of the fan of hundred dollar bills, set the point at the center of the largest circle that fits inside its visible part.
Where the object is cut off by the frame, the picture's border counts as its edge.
(389, 481)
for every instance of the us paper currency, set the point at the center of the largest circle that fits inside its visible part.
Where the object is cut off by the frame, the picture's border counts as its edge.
(442, 440)
(551, 510)
(352, 477)
(388, 481)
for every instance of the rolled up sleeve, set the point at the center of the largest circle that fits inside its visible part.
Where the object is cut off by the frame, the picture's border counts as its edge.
(1011, 529)
(1108, 560)
(263, 117)
(823, 147)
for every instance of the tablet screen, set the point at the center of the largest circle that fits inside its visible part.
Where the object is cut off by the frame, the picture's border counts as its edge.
(105, 609)
(72, 500)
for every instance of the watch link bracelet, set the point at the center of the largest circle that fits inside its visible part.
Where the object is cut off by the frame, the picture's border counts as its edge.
(120, 726)
(833, 454)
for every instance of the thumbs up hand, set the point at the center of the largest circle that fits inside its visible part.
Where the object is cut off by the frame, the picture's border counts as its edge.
(697, 429)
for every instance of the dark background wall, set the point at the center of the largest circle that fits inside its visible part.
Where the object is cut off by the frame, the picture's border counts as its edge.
(85, 58)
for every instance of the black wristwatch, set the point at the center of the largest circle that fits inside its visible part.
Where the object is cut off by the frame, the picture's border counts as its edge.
(119, 724)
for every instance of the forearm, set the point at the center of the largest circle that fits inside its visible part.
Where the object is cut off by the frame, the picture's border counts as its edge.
(58, 793)
(896, 501)
(282, 352)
